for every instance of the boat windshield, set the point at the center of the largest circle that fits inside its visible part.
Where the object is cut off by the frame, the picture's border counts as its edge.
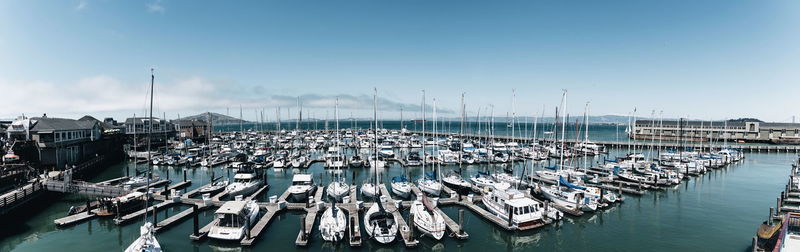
(230, 220)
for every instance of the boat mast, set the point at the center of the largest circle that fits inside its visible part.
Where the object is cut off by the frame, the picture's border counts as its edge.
(375, 117)
(437, 165)
(563, 130)
(149, 136)
(424, 157)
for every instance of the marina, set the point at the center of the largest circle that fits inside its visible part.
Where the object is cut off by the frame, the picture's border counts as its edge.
(190, 206)
(208, 126)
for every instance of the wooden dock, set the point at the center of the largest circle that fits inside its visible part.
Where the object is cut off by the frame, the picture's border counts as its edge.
(203, 232)
(259, 227)
(113, 181)
(257, 192)
(454, 228)
(152, 185)
(126, 218)
(353, 220)
(311, 216)
(75, 218)
(402, 226)
(168, 222)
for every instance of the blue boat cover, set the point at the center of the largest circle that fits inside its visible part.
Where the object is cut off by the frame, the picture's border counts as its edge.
(430, 175)
(564, 182)
(551, 167)
(399, 179)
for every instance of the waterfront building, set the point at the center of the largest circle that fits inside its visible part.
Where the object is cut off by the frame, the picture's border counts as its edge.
(739, 130)
(55, 141)
(162, 130)
(192, 129)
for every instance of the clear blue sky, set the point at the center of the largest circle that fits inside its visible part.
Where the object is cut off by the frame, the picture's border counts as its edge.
(702, 59)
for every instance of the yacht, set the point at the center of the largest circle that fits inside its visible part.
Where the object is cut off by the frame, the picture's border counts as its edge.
(334, 159)
(234, 219)
(380, 224)
(401, 187)
(386, 151)
(483, 180)
(573, 199)
(457, 183)
(147, 240)
(333, 224)
(413, 159)
(338, 189)
(302, 187)
(214, 187)
(525, 211)
(356, 161)
(430, 185)
(369, 190)
(377, 162)
(122, 205)
(245, 181)
(426, 219)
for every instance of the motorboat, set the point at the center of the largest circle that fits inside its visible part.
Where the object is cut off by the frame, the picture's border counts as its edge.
(215, 187)
(245, 181)
(302, 187)
(524, 211)
(233, 220)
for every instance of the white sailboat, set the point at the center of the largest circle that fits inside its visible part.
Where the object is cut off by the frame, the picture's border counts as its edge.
(333, 224)
(378, 222)
(428, 183)
(368, 189)
(147, 241)
(338, 188)
(426, 219)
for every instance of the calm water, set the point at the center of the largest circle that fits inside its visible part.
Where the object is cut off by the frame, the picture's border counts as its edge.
(717, 212)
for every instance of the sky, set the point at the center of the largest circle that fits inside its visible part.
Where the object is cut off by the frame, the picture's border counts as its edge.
(697, 59)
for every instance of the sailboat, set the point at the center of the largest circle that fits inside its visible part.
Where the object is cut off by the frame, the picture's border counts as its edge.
(333, 224)
(338, 188)
(378, 222)
(428, 183)
(371, 189)
(426, 219)
(147, 241)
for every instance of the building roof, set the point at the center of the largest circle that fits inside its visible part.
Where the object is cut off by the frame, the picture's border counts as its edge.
(141, 120)
(689, 123)
(103, 125)
(232, 207)
(196, 123)
(52, 124)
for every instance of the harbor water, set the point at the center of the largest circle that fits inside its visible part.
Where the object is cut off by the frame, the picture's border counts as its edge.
(718, 211)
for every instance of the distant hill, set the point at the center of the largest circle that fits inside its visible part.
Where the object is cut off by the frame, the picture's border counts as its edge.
(216, 119)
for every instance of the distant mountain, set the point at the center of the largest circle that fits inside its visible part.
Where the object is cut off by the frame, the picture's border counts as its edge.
(216, 119)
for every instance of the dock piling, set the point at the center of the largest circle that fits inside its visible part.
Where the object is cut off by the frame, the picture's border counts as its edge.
(769, 220)
(195, 220)
(184, 175)
(461, 220)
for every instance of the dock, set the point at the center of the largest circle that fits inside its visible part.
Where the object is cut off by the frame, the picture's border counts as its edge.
(126, 218)
(353, 220)
(75, 218)
(168, 222)
(402, 226)
(308, 222)
(203, 232)
(255, 232)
